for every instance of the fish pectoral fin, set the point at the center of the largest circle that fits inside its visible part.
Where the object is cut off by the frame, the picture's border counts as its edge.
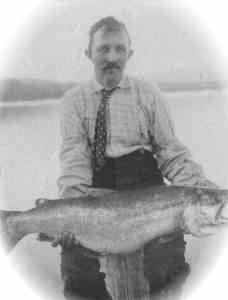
(196, 228)
(191, 225)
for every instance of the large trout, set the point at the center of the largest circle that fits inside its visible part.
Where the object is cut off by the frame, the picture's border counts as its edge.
(123, 221)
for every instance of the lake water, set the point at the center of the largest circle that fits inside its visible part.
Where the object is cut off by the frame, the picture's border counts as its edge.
(29, 148)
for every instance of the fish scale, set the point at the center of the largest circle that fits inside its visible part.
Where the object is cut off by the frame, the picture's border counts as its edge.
(123, 221)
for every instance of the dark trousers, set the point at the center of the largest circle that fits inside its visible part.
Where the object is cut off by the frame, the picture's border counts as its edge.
(164, 259)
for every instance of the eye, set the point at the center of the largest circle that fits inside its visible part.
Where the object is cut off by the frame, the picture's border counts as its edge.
(103, 49)
(121, 49)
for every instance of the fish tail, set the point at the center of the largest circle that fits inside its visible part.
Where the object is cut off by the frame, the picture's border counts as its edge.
(8, 235)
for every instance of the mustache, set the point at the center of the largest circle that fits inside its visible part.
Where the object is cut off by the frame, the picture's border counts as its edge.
(111, 66)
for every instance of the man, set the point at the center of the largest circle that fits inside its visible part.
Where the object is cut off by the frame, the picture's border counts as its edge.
(117, 134)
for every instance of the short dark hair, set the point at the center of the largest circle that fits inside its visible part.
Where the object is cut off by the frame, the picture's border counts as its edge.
(109, 24)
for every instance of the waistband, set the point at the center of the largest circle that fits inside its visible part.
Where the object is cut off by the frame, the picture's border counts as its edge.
(127, 171)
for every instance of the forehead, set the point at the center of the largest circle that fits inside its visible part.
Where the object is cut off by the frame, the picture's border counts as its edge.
(110, 36)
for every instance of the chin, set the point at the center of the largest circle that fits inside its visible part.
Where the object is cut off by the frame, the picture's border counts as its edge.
(112, 80)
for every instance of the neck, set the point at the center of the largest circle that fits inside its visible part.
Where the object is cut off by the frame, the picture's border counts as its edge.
(109, 84)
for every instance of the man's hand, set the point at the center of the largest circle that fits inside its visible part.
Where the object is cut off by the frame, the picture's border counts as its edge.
(42, 237)
(66, 240)
(99, 192)
(208, 184)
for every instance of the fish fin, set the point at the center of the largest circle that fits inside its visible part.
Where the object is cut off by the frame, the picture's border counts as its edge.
(8, 236)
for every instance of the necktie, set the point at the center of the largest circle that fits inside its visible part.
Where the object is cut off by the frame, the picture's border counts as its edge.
(100, 137)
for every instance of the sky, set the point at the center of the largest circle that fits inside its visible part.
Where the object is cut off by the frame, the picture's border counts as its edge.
(169, 42)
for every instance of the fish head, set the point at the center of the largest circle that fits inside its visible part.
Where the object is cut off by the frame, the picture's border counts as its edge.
(206, 212)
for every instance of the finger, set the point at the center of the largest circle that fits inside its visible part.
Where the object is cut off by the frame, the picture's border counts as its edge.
(71, 239)
(64, 239)
(97, 192)
(43, 237)
(56, 242)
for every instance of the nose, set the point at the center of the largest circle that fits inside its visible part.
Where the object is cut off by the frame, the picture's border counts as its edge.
(112, 55)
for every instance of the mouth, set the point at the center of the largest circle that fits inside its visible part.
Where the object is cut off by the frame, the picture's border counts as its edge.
(111, 68)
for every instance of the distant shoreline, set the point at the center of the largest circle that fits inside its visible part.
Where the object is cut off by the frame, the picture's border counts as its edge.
(14, 90)
(56, 102)
(30, 103)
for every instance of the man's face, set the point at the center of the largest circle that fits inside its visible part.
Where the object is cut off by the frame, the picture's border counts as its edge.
(109, 53)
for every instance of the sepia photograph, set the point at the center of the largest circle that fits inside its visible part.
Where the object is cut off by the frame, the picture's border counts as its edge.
(113, 152)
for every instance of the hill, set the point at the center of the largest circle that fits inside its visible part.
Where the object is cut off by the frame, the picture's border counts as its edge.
(13, 89)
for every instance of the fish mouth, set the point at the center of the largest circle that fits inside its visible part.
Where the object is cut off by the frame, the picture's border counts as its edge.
(222, 214)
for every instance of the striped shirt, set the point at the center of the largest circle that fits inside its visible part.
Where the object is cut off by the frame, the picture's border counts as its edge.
(136, 119)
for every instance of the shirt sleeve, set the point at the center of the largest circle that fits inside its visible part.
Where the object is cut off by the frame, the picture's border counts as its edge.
(75, 157)
(174, 159)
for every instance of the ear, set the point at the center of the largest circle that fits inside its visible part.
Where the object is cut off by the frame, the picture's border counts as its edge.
(87, 54)
(131, 52)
